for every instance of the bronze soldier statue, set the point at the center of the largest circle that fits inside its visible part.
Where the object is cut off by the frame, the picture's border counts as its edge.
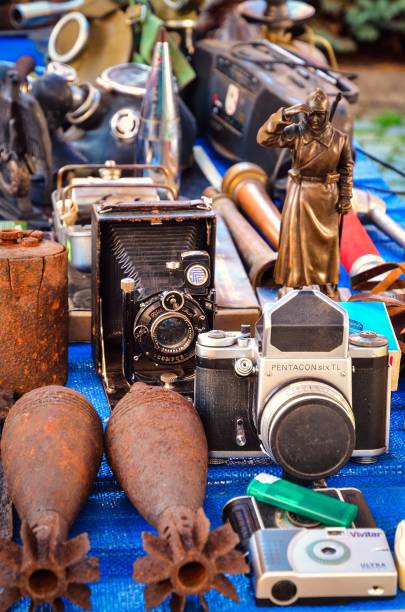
(319, 191)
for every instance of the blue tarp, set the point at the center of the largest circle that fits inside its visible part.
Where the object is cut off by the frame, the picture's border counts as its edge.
(115, 527)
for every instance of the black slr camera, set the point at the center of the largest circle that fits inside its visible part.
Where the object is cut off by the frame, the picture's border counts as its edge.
(153, 290)
(303, 391)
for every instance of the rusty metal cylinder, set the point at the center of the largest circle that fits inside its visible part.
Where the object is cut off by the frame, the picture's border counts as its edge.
(33, 311)
(245, 183)
(258, 257)
(51, 450)
(157, 449)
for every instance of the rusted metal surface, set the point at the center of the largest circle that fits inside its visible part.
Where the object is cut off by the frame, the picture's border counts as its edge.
(245, 183)
(51, 450)
(257, 256)
(6, 507)
(157, 449)
(33, 311)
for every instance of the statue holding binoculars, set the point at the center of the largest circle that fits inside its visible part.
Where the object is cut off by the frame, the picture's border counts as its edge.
(318, 194)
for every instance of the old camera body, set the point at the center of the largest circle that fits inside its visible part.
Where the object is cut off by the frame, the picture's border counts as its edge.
(248, 515)
(242, 84)
(301, 391)
(292, 564)
(153, 290)
(100, 121)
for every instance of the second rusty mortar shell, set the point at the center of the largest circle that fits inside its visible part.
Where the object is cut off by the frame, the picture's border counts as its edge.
(157, 449)
(257, 256)
(51, 449)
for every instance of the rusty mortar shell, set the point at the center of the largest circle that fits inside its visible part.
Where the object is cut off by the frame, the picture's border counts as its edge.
(245, 184)
(258, 257)
(157, 449)
(33, 311)
(51, 449)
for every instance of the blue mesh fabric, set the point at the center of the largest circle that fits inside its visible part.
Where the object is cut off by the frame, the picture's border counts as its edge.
(115, 527)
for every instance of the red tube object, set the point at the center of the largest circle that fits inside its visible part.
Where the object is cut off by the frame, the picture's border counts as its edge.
(357, 250)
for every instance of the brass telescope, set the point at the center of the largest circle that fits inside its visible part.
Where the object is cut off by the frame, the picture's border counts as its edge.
(257, 256)
(245, 183)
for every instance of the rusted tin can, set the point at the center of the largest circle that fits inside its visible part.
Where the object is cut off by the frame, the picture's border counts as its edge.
(33, 311)
(157, 449)
(51, 450)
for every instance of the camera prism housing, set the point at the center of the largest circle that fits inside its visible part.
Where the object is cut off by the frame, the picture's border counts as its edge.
(302, 391)
(292, 564)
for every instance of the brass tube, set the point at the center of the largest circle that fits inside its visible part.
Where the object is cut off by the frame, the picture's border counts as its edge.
(245, 184)
(257, 256)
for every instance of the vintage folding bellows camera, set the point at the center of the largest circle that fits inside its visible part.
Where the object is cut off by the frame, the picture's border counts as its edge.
(242, 84)
(303, 391)
(153, 289)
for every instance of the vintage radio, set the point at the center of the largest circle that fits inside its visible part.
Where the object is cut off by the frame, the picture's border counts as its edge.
(244, 83)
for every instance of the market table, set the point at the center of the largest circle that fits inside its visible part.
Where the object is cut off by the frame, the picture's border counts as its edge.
(114, 526)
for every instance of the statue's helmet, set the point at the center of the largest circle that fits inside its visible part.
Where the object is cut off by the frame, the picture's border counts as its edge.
(318, 101)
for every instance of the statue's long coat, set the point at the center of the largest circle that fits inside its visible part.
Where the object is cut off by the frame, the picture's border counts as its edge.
(309, 238)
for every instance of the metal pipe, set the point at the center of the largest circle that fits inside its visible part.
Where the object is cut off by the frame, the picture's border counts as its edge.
(258, 257)
(245, 183)
(23, 15)
(375, 210)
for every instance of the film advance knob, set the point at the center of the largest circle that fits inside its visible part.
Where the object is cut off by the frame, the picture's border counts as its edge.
(217, 338)
(216, 334)
(368, 338)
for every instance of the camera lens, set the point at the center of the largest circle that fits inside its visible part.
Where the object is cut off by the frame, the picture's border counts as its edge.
(172, 332)
(307, 427)
(301, 521)
(283, 591)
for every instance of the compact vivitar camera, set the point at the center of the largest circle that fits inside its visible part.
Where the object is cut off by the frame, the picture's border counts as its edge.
(292, 564)
(153, 279)
(302, 391)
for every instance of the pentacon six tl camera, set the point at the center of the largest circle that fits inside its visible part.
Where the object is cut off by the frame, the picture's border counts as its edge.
(302, 391)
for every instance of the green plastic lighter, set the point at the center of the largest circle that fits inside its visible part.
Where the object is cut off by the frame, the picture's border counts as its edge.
(302, 501)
